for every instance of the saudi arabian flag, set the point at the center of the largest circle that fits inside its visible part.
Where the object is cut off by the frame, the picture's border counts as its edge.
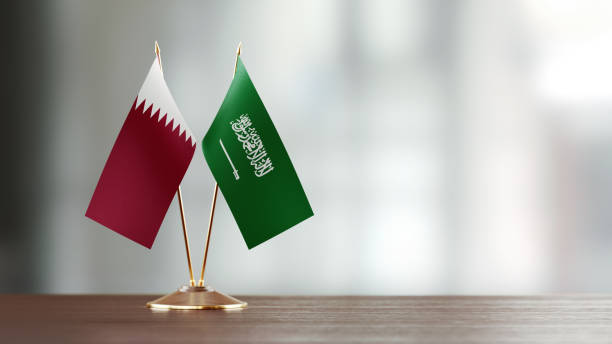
(252, 167)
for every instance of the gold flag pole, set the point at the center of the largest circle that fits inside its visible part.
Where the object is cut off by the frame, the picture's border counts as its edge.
(214, 200)
(194, 297)
(180, 199)
(210, 222)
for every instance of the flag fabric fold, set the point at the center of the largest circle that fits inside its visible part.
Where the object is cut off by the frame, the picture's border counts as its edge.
(251, 165)
(146, 165)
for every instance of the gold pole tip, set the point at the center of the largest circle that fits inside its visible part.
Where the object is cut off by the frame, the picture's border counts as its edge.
(158, 57)
(238, 49)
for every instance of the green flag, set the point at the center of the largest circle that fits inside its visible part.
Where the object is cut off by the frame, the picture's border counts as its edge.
(252, 167)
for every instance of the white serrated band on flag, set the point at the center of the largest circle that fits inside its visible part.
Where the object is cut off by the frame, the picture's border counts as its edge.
(155, 91)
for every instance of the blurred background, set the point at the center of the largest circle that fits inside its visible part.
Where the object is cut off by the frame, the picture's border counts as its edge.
(446, 147)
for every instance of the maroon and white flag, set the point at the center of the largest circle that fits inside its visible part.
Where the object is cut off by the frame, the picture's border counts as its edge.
(146, 165)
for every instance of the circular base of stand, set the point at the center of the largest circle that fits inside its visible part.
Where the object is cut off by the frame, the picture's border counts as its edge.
(187, 298)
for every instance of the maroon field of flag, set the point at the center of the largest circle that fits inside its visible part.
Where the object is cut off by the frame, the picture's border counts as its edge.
(145, 166)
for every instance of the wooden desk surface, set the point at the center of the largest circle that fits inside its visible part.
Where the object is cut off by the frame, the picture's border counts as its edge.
(331, 319)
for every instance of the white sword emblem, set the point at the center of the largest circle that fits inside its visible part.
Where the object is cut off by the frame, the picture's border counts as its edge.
(230, 160)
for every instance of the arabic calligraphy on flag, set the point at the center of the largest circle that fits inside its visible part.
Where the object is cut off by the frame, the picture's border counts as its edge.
(252, 145)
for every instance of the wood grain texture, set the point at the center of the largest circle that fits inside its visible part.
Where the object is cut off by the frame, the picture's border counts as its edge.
(301, 319)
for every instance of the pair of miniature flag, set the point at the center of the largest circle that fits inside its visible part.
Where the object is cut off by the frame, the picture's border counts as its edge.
(242, 149)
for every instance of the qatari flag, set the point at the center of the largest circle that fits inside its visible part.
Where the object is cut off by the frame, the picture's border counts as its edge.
(145, 166)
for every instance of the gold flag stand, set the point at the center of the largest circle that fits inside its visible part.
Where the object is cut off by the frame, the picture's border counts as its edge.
(200, 296)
